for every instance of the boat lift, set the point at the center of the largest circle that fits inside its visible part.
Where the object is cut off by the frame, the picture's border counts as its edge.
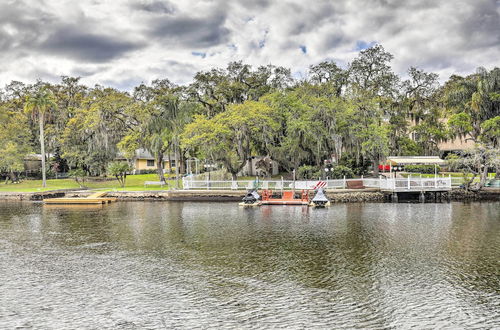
(253, 198)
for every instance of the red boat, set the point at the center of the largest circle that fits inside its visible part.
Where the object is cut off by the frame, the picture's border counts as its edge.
(287, 198)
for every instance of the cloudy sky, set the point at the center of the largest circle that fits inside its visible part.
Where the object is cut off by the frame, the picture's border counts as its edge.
(122, 43)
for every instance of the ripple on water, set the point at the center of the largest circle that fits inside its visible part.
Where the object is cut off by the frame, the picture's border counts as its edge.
(188, 265)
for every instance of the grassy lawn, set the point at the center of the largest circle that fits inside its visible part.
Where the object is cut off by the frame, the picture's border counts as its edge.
(133, 183)
(452, 174)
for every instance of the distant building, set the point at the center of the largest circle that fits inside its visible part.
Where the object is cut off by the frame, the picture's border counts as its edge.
(457, 144)
(144, 161)
(33, 162)
(262, 166)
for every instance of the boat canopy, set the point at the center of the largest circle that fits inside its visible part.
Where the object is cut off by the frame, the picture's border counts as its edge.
(415, 160)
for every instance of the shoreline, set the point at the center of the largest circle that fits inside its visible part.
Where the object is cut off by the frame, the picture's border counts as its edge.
(335, 195)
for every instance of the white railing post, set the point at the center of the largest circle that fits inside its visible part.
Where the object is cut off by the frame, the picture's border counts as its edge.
(408, 181)
(344, 183)
(435, 181)
(208, 183)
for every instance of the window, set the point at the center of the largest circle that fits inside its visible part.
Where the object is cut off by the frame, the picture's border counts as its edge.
(150, 163)
(172, 163)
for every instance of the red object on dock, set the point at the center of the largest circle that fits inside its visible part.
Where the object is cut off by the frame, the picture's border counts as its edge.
(288, 198)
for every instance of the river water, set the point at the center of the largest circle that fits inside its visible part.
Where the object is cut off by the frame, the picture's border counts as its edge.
(164, 265)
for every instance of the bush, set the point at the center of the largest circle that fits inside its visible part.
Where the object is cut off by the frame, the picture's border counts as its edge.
(308, 172)
(426, 169)
(119, 171)
(360, 168)
(148, 171)
(339, 171)
(79, 176)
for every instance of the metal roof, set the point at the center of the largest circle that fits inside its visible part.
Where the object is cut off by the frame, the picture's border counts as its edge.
(415, 160)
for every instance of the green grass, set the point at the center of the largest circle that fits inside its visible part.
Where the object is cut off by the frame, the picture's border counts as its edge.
(133, 183)
(452, 174)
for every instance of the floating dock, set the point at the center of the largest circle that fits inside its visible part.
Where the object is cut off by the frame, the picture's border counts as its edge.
(287, 198)
(96, 198)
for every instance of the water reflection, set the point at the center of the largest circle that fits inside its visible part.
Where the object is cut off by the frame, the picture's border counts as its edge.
(218, 265)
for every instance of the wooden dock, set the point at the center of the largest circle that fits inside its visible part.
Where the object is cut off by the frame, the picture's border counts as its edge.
(95, 198)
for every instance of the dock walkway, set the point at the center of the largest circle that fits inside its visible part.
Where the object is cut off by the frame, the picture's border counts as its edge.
(95, 198)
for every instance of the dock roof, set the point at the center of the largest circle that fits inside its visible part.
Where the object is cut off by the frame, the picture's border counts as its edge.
(415, 160)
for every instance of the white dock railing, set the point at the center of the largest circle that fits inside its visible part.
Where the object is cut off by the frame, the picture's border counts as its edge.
(399, 184)
(417, 184)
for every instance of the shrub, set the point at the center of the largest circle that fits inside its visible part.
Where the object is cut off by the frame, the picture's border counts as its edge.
(426, 169)
(79, 176)
(339, 171)
(360, 168)
(119, 170)
(308, 172)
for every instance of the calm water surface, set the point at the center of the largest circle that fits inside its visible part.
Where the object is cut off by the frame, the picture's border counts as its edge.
(142, 265)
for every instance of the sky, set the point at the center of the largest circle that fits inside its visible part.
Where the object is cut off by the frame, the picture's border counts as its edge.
(121, 43)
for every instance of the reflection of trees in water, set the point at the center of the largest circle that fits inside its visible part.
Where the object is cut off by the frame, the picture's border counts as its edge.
(472, 252)
(371, 254)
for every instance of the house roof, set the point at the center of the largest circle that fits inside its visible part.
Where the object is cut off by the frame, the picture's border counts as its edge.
(415, 160)
(36, 156)
(143, 154)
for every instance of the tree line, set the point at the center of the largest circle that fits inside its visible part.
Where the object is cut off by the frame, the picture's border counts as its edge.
(359, 114)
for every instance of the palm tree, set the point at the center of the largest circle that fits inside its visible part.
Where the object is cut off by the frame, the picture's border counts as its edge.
(38, 104)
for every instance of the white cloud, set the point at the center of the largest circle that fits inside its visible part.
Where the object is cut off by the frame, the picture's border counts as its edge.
(121, 43)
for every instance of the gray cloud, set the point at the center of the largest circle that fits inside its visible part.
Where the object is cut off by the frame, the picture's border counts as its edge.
(189, 31)
(121, 42)
(88, 47)
(158, 7)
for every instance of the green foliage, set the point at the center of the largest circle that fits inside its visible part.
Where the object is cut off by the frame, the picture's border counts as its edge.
(119, 171)
(408, 147)
(475, 99)
(357, 115)
(79, 176)
(14, 142)
(339, 172)
(427, 169)
(358, 167)
(308, 172)
(90, 137)
(491, 132)
(230, 136)
(460, 124)
(38, 104)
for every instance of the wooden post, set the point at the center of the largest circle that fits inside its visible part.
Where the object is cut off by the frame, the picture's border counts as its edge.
(282, 186)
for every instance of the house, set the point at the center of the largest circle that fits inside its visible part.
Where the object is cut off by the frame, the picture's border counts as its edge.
(144, 161)
(449, 146)
(259, 166)
(33, 163)
(455, 145)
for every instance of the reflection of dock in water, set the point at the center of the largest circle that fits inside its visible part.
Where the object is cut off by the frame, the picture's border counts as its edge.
(97, 198)
(75, 207)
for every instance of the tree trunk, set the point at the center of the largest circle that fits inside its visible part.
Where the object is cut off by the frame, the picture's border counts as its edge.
(484, 176)
(169, 162)
(176, 155)
(42, 146)
(375, 168)
(13, 177)
(159, 166)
